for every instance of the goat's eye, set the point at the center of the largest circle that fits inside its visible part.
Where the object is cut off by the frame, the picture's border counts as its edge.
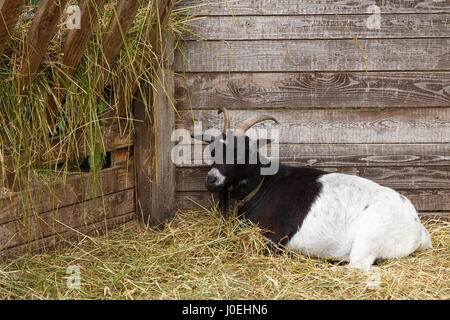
(213, 153)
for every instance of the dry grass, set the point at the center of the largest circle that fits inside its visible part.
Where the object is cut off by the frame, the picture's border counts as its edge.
(200, 255)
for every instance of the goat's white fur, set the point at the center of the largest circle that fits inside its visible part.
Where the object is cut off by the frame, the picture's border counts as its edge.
(357, 220)
(215, 173)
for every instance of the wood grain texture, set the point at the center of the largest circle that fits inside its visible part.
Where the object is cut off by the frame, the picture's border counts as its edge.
(319, 89)
(38, 38)
(423, 200)
(74, 190)
(118, 28)
(73, 50)
(9, 14)
(312, 55)
(414, 125)
(301, 7)
(193, 179)
(437, 215)
(155, 172)
(318, 27)
(344, 155)
(35, 227)
(77, 39)
(61, 238)
(113, 139)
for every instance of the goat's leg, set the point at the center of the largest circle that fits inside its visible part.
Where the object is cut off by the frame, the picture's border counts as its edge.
(224, 203)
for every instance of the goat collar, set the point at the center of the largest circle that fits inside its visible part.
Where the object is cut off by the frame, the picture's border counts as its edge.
(247, 198)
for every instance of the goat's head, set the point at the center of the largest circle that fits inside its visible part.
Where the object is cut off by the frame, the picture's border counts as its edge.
(235, 156)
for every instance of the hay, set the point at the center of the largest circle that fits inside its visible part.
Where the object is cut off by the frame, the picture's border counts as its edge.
(200, 255)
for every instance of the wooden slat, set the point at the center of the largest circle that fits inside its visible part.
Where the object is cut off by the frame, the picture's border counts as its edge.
(75, 190)
(312, 55)
(405, 178)
(301, 7)
(68, 218)
(48, 243)
(74, 46)
(423, 200)
(118, 29)
(437, 215)
(113, 139)
(78, 39)
(415, 125)
(354, 89)
(318, 27)
(9, 13)
(155, 172)
(38, 38)
(346, 155)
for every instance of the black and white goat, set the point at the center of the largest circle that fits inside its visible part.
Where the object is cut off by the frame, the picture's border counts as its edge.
(320, 214)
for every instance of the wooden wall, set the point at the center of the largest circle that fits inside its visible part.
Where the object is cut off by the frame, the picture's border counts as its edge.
(370, 102)
(38, 219)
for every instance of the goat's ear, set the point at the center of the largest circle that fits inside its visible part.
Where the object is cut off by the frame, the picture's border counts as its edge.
(204, 137)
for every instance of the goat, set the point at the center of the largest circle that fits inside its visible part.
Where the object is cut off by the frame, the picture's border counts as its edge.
(314, 212)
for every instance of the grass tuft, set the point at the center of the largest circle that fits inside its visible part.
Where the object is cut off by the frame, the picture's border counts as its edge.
(201, 255)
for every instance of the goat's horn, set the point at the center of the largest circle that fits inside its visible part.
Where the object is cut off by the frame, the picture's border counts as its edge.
(247, 124)
(226, 125)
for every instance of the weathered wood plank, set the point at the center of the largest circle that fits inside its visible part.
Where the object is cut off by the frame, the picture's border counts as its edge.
(118, 28)
(423, 200)
(341, 155)
(437, 215)
(318, 27)
(73, 50)
(48, 243)
(312, 55)
(9, 14)
(301, 7)
(193, 179)
(354, 89)
(38, 38)
(155, 172)
(62, 194)
(36, 227)
(113, 139)
(415, 125)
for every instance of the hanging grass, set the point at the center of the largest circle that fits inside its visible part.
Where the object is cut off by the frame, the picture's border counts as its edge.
(201, 255)
(32, 152)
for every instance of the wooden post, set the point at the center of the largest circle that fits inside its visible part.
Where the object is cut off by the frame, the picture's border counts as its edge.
(154, 169)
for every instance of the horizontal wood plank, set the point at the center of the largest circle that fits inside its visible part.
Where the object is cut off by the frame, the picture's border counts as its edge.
(317, 90)
(48, 243)
(340, 155)
(318, 27)
(313, 55)
(423, 200)
(113, 139)
(40, 33)
(436, 215)
(35, 227)
(193, 179)
(62, 194)
(415, 125)
(302, 7)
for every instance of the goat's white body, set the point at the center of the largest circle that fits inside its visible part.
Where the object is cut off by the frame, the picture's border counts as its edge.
(357, 220)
